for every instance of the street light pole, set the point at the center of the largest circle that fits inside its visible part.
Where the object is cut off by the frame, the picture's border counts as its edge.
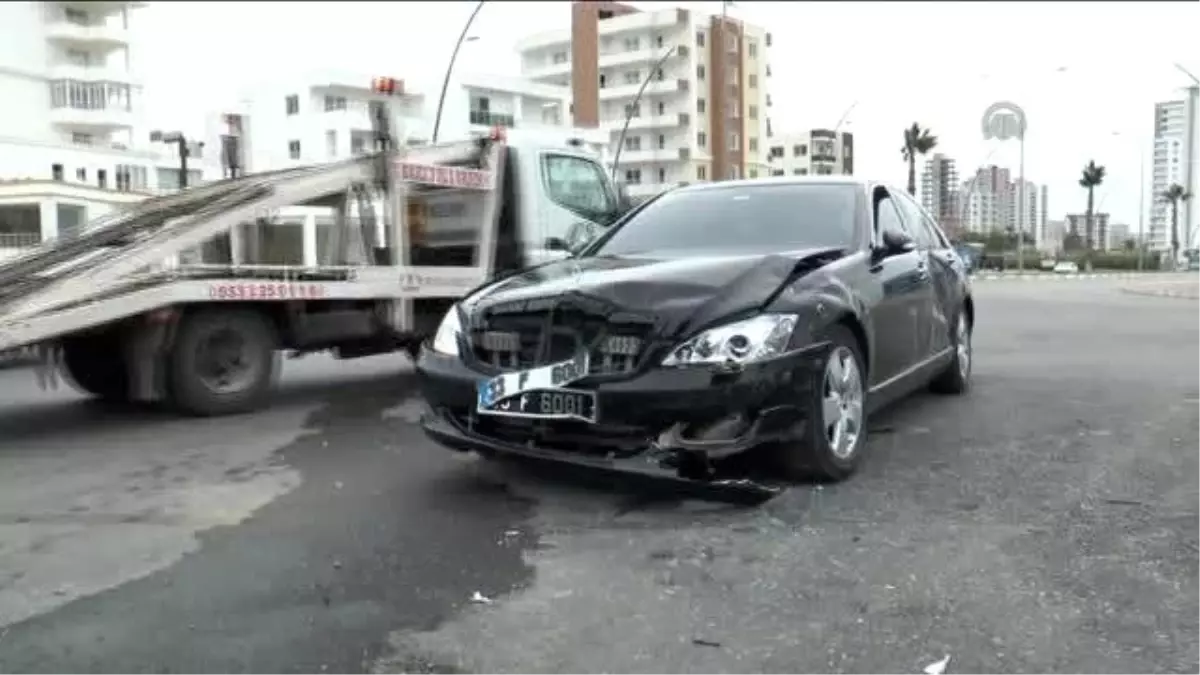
(180, 141)
(1141, 243)
(633, 107)
(462, 37)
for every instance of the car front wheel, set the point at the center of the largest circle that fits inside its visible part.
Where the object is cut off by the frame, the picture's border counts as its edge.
(837, 428)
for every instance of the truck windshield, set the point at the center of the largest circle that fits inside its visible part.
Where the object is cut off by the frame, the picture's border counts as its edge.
(738, 219)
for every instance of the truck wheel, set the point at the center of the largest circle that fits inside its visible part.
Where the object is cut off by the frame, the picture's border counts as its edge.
(223, 362)
(837, 429)
(94, 365)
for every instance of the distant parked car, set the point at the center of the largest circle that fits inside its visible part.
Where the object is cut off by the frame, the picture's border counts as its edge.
(1066, 267)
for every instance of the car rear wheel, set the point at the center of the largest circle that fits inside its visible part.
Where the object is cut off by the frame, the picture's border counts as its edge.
(835, 434)
(956, 378)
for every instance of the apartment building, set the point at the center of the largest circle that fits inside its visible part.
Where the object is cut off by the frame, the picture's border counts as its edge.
(702, 114)
(72, 143)
(989, 202)
(1175, 138)
(1077, 225)
(815, 152)
(940, 191)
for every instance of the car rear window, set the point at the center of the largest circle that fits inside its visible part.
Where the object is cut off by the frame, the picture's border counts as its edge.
(739, 219)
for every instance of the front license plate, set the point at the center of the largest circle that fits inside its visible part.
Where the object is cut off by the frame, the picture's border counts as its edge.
(551, 404)
(549, 376)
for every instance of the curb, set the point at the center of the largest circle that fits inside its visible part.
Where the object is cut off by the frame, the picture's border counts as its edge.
(1186, 294)
(1059, 277)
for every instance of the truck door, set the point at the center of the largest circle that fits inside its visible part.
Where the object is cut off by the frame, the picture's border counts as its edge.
(575, 202)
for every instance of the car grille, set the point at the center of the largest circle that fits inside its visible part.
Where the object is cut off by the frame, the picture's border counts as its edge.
(526, 340)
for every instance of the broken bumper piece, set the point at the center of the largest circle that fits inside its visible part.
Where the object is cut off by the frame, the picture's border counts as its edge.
(670, 427)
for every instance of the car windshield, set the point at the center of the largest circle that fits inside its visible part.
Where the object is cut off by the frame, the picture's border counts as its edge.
(739, 219)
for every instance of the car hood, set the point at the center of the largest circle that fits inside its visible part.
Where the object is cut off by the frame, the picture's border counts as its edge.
(678, 294)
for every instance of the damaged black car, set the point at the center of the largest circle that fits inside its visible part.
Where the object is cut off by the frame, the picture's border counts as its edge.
(762, 318)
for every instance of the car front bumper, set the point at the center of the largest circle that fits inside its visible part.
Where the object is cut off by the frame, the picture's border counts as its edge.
(670, 425)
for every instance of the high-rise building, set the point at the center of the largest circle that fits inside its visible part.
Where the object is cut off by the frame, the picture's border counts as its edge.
(702, 114)
(1077, 226)
(1175, 138)
(939, 191)
(990, 203)
(817, 152)
(72, 142)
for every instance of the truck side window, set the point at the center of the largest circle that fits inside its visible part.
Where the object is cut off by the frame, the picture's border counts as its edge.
(578, 184)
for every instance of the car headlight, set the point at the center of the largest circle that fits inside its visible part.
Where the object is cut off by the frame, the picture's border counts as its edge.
(746, 341)
(445, 341)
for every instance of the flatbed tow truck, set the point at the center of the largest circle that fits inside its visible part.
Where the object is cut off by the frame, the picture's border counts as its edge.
(170, 302)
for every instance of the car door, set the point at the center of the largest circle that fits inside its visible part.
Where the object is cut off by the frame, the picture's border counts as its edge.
(945, 268)
(905, 290)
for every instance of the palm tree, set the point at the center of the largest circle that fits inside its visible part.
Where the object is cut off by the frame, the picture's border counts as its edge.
(1173, 195)
(1092, 177)
(917, 141)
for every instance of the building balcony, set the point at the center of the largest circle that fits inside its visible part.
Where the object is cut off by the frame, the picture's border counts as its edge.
(645, 122)
(92, 36)
(491, 119)
(92, 119)
(665, 86)
(548, 70)
(653, 155)
(91, 74)
(644, 22)
(648, 56)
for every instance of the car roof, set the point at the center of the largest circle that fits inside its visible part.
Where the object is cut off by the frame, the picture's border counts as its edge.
(778, 180)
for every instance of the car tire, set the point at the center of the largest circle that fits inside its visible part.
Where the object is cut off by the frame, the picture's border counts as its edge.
(93, 364)
(956, 378)
(836, 433)
(248, 362)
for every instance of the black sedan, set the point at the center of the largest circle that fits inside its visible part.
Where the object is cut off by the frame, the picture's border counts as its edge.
(769, 315)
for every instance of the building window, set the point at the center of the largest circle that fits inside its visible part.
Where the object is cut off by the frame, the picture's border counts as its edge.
(753, 145)
(799, 150)
(603, 81)
(754, 173)
(753, 81)
(558, 58)
(700, 71)
(658, 41)
(633, 176)
(56, 171)
(633, 110)
(331, 143)
(776, 152)
(335, 103)
(633, 143)
(751, 51)
(81, 175)
(662, 108)
(701, 139)
(658, 75)
(735, 141)
(753, 112)
(632, 44)
(662, 142)
(662, 175)
(768, 39)
(632, 77)
(777, 172)
(699, 39)
(294, 149)
(293, 104)
(78, 17)
(701, 173)
(81, 139)
(700, 107)
(102, 178)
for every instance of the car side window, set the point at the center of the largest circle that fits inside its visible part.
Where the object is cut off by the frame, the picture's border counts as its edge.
(577, 184)
(924, 229)
(887, 218)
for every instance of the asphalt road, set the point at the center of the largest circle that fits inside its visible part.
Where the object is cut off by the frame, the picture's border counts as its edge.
(1047, 522)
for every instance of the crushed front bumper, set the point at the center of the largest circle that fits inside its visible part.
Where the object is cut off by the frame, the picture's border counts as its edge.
(670, 426)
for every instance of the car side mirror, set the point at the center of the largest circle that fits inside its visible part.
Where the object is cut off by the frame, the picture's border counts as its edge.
(895, 242)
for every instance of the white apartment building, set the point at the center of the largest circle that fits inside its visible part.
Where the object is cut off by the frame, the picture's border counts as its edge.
(1175, 132)
(815, 152)
(989, 203)
(702, 113)
(72, 142)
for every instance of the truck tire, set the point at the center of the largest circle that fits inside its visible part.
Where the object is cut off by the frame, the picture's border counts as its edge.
(223, 362)
(94, 364)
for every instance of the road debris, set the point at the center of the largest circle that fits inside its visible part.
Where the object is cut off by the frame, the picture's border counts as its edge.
(938, 667)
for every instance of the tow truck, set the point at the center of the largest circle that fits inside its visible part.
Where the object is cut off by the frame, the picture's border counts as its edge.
(171, 301)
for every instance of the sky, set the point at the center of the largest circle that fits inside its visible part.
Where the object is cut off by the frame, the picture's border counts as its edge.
(1087, 74)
